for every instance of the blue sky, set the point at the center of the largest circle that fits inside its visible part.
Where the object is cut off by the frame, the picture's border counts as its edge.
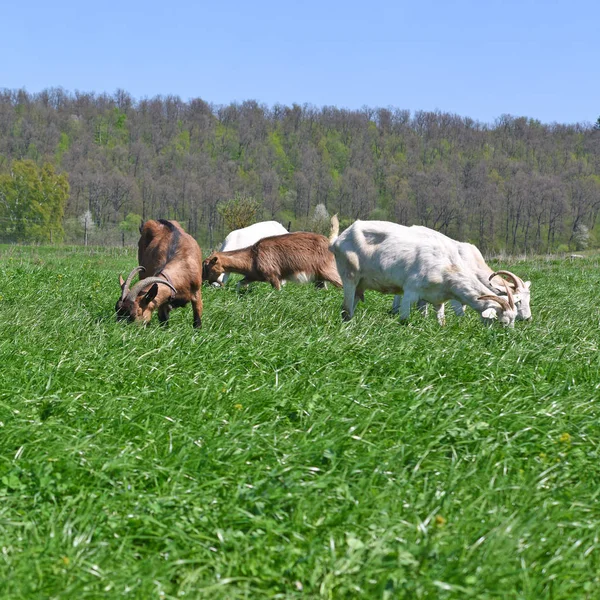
(477, 59)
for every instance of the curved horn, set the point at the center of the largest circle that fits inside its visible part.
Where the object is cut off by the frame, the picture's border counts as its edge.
(511, 300)
(129, 279)
(501, 301)
(517, 281)
(140, 285)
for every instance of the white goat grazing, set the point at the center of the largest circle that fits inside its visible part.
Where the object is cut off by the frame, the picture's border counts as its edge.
(242, 238)
(394, 259)
(491, 279)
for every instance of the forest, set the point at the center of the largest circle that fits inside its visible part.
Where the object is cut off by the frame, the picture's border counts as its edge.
(80, 164)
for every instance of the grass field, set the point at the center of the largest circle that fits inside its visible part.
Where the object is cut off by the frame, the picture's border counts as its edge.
(278, 453)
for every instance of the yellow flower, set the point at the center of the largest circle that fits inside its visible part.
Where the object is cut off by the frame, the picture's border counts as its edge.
(238, 406)
(440, 521)
(565, 438)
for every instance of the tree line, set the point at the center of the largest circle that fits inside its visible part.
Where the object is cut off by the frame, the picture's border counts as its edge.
(69, 160)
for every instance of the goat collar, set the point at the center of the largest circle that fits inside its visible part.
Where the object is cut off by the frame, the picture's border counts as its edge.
(168, 279)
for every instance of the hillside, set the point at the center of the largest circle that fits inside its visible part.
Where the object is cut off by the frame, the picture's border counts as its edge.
(515, 185)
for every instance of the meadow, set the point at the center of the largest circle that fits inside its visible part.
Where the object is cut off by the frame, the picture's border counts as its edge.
(280, 453)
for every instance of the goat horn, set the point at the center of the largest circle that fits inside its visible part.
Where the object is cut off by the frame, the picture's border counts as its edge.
(517, 281)
(501, 301)
(140, 285)
(511, 300)
(129, 279)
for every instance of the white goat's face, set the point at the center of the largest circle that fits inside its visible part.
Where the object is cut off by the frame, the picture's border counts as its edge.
(504, 317)
(500, 311)
(521, 293)
(522, 300)
(507, 317)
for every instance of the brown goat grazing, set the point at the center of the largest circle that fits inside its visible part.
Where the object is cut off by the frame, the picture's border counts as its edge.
(300, 257)
(167, 255)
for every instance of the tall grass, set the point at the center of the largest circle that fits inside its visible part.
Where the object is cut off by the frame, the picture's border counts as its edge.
(278, 453)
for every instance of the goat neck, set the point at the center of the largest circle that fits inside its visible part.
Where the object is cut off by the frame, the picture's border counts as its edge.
(237, 261)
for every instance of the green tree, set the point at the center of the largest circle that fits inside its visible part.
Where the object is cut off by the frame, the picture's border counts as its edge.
(32, 202)
(240, 211)
(130, 227)
(131, 223)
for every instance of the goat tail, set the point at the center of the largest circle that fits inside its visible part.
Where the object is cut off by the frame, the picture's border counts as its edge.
(335, 229)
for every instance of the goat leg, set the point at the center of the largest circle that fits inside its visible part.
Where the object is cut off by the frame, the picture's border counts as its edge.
(274, 281)
(197, 309)
(422, 307)
(441, 313)
(163, 314)
(408, 299)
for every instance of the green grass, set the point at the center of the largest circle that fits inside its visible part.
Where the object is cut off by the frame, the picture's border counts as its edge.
(279, 453)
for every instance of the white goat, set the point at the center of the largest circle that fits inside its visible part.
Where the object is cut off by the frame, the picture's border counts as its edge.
(242, 238)
(491, 279)
(394, 259)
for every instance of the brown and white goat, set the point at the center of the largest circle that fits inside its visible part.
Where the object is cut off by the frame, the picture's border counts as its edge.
(170, 267)
(300, 257)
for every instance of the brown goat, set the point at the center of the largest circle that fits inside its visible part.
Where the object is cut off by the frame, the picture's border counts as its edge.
(300, 257)
(167, 255)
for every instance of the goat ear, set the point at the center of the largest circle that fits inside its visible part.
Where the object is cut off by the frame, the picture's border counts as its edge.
(214, 260)
(121, 281)
(528, 284)
(151, 293)
(489, 313)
